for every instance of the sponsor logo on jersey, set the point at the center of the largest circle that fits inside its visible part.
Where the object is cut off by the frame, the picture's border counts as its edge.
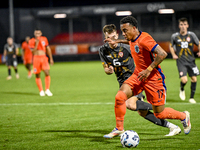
(137, 50)
(188, 39)
(121, 54)
(179, 40)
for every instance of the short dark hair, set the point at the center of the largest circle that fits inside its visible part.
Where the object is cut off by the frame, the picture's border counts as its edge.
(37, 28)
(182, 20)
(129, 19)
(109, 28)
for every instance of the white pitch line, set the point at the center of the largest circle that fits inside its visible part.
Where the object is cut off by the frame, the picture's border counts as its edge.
(57, 104)
(42, 104)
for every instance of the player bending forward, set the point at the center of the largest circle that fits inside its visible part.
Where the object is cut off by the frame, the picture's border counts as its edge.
(40, 46)
(117, 58)
(147, 76)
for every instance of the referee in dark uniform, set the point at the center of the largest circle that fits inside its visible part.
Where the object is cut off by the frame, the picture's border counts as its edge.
(181, 48)
(11, 51)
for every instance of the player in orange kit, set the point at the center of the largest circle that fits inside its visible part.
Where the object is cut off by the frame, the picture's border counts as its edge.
(27, 56)
(147, 76)
(40, 47)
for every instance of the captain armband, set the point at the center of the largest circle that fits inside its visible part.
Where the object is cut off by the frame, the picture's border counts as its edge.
(150, 68)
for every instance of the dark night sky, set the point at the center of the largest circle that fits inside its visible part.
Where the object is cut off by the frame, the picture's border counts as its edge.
(66, 3)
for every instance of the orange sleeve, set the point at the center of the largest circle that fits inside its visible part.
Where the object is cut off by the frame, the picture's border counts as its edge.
(31, 43)
(148, 43)
(23, 47)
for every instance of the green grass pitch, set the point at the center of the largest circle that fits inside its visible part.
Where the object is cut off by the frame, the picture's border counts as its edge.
(81, 111)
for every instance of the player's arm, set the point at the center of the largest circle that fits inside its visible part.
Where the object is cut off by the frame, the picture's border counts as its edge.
(4, 55)
(174, 56)
(112, 42)
(50, 55)
(108, 69)
(198, 53)
(35, 47)
(161, 55)
(22, 53)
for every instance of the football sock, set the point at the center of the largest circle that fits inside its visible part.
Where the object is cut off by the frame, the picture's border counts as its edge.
(193, 89)
(182, 86)
(9, 72)
(29, 73)
(140, 105)
(161, 122)
(170, 113)
(171, 125)
(39, 83)
(15, 70)
(47, 82)
(120, 109)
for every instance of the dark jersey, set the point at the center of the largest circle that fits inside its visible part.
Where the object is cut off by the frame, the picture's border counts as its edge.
(120, 58)
(11, 50)
(183, 46)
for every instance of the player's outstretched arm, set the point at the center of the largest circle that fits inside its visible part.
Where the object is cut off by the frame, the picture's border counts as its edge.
(4, 55)
(112, 42)
(50, 55)
(161, 55)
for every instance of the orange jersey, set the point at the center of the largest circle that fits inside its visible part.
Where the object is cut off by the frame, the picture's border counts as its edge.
(43, 43)
(142, 52)
(27, 51)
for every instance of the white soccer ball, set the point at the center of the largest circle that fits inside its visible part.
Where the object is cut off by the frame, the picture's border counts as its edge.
(130, 139)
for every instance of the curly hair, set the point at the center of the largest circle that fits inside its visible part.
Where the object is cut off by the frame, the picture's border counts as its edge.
(129, 19)
(109, 28)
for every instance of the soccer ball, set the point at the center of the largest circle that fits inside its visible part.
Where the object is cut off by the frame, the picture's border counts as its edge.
(130, 139)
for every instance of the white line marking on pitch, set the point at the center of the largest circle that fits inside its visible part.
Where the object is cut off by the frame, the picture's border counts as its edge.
(56, 104)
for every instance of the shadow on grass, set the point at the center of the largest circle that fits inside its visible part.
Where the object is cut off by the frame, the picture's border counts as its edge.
(20, 93)
(86, 134)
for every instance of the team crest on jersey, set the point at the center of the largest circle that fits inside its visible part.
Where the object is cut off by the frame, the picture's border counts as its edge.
(43, 43)
(188, 39)
(121, 54)
(137, 50)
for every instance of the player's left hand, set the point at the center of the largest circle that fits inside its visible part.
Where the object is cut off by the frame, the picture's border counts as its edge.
(198, 54)
(51, 62)
(143, 75)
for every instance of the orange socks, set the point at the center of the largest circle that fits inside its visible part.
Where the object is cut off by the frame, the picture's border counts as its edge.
(39, 83)
(120, 109)
(169, 113)
(47, 82)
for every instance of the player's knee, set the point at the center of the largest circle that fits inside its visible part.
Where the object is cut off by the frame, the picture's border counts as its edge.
(142, 113)
(160, 115)
(131, 104)
(120, 98)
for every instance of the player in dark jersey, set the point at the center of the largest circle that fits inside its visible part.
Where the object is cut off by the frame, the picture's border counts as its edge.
(117, 58)
(11, 51)
(182, 50)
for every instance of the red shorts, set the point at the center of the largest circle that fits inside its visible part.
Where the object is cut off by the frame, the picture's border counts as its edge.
(154, 88)
(40, 62)
(28, 60)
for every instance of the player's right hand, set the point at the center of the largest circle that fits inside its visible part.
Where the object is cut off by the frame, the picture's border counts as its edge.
(110, 41)
(109, 70)
(175, 57)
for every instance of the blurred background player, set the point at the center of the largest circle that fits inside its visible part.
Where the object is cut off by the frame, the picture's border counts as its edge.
(11, 51)
(27, 56)
(40, 47)
(117, 58)
(181, 48)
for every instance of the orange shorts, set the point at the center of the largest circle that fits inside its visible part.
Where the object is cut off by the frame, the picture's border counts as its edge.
(28, 60)
(154, 88)
(40, 62)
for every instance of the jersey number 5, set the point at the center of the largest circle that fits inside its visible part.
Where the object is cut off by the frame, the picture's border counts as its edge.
(116, 62)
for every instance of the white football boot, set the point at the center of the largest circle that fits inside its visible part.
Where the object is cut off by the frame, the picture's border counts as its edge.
(115, 132)
(9, 78)
(48, 92)
(186, 123)
(191, 100)
(182, 95)
(174, 131)
(42, 93)
(17, 76)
